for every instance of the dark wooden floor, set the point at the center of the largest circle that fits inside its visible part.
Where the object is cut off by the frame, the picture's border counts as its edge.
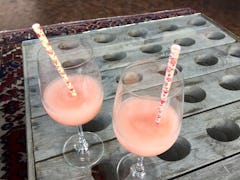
(15, 14)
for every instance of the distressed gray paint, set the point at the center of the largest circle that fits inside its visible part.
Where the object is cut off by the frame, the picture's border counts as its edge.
(45, 137)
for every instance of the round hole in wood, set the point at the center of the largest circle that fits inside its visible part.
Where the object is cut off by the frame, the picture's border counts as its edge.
(197, 22)
(230, 82)
(180, 149)
(115, 56)
(185, 41)
(100, 122)
(206, 60)
(74, 63)
(68, 44)
(168, 27)
(194, 94)
(104, 170)
(131, 78)
(151, 48)
(223, 130)
(137, 32)
(234, 51)
(162, 70)
(104, 38)
(215, 35)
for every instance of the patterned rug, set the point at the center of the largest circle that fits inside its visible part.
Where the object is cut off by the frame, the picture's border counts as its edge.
(13, 165)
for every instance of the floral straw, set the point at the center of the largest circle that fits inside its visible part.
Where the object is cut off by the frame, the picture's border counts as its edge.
(172, 62)
(42, 37)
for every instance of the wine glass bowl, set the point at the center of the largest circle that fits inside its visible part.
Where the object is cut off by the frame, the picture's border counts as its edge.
(76, 57)
(136, 107)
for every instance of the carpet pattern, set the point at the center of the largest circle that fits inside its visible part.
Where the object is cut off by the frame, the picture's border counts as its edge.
(13, 165)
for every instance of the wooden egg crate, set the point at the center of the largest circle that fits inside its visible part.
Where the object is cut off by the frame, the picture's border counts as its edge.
(210, 62)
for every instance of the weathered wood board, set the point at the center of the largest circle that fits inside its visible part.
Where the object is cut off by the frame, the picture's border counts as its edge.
(210, 62)
(204, 150)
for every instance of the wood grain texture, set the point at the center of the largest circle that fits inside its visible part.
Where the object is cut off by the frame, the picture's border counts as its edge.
(204, 150)
(219, 103)
(227, 169)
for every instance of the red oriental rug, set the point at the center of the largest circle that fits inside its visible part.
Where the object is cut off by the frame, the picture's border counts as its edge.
(13, 165)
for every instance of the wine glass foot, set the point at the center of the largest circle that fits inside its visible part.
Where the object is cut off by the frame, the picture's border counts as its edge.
(83, 159)
(126, 169)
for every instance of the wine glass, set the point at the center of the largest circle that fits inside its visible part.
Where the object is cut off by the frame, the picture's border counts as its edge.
(83, 149)
(136, 107)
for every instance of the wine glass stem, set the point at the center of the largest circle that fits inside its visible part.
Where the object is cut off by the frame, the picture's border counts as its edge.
(82, 145)
(138, 169)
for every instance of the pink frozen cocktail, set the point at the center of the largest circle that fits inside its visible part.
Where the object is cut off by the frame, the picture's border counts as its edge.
(73, 110)
(138, 132)
(144, 123)
(72, 95)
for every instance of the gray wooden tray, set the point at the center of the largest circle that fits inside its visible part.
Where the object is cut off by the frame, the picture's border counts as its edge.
(210, 62)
